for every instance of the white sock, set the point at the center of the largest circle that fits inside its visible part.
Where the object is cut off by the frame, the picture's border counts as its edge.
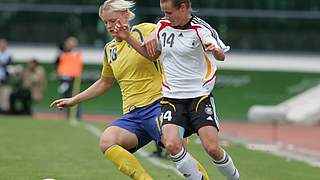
(186, 165)
(227, 168)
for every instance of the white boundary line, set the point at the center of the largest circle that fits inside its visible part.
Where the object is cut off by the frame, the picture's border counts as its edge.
(97, 132)
(287, 151)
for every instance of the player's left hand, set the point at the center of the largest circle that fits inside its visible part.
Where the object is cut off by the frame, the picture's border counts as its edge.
(211, 47)
(217, 52)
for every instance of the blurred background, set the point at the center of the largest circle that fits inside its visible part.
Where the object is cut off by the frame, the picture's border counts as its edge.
(286, 25)
(259, 30)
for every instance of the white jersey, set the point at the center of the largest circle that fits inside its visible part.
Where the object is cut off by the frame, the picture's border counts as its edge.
(187, 70)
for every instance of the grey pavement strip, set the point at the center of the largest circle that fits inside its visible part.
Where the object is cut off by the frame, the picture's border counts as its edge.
(283, 150)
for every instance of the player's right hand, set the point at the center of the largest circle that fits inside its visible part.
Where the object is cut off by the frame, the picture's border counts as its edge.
(62, 103)
(122, 30)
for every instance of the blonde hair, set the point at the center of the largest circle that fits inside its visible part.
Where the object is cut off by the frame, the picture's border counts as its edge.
(118, 5)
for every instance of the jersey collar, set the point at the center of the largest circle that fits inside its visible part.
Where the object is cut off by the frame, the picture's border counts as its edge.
(186, 26)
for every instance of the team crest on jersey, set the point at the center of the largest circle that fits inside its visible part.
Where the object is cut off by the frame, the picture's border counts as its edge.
(208, 110)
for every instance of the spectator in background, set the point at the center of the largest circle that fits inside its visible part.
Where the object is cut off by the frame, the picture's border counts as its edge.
(5, 60)
(29, 88)
(69, 69)
(34, 77)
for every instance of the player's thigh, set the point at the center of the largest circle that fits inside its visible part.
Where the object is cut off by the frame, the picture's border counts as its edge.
(170, 132)
(120, 136)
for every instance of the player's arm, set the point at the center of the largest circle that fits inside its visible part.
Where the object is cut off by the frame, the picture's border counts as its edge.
(212, 43)
(96, 89)
(147, 49)
(123, 32)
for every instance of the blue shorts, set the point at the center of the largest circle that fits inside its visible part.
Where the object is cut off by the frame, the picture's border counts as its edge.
(144, 122)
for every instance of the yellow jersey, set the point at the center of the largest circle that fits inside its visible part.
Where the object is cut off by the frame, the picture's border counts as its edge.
(138, 77)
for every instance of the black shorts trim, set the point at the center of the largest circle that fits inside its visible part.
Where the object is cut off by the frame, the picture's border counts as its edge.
(191, 114)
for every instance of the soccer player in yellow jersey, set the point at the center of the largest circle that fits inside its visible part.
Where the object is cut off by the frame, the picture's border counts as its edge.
(140, 85)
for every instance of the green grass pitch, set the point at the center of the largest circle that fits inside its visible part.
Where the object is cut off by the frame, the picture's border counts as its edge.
(37, 149)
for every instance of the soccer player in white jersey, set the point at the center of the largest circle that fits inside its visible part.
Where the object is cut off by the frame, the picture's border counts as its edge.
(189, 47)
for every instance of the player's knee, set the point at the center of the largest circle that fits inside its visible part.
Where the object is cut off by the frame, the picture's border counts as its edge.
(173, 147)
(104, 144)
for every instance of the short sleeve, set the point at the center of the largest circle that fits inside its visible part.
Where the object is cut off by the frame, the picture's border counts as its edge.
(158, 42)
